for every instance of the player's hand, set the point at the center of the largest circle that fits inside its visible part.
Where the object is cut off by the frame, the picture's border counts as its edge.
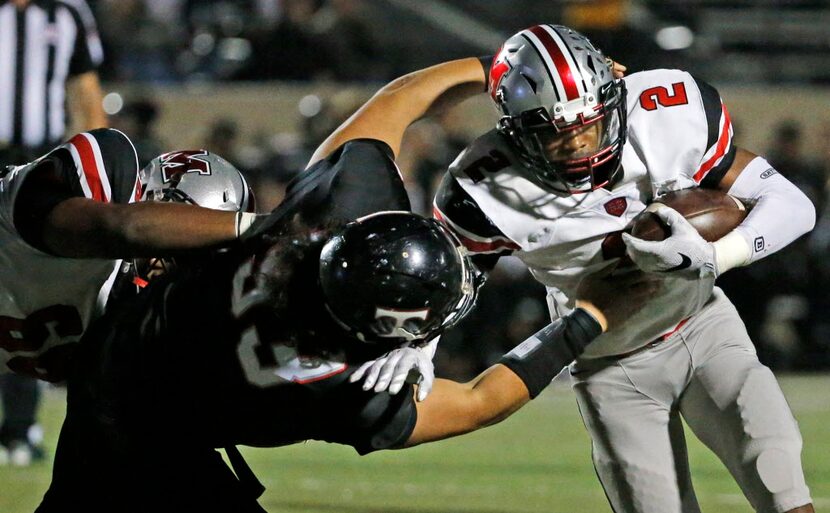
(617, 69)
(684, 253)
(392, 370)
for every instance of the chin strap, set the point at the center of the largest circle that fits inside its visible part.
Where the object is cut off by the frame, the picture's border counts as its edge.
(251, 486)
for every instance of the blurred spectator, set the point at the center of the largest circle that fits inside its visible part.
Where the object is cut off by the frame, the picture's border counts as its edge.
(316, 39)
(786, 155)
(137, 119)
(138, 44)
(289, 50)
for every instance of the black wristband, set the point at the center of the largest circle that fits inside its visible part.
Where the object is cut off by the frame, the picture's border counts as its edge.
(541, 357)
(486, 62)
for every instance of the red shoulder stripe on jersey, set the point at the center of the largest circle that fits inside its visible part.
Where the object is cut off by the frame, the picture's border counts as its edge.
(87, 155)
(474, 244)
(562, 67)
(720, 151)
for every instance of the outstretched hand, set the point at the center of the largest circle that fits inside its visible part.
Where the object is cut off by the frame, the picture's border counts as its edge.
(617, 69)
(390, 371)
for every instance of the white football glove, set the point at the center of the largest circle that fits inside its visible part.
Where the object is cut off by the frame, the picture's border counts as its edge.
(684, 253)
(390, 371)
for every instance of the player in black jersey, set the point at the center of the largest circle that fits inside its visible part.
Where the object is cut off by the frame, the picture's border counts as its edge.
(257, 346)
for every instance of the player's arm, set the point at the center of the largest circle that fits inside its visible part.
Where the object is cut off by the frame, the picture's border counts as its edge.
(403, 101)
(484, 241)
(457, 408)
(780, 212)
(87, 100)
(83, 228)
(75, 202)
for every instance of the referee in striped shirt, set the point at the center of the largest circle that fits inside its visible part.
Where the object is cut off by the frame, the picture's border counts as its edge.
(48, 49)
(49, 53)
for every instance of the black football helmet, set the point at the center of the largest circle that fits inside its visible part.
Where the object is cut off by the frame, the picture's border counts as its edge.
(396, 277)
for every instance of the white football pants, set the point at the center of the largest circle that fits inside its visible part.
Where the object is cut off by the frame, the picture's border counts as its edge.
(709, 373)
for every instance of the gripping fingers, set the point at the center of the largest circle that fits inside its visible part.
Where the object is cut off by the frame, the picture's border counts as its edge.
(387, 371)
(373, 373)
(674, 220)
(402, 369)
(356, 375)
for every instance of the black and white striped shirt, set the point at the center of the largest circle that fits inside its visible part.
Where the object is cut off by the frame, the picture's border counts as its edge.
(40, 47)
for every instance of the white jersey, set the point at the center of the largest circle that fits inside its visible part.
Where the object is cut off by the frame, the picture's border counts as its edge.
(48, 301)
(679, 136)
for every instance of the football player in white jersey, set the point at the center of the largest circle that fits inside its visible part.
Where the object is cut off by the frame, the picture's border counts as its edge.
(576, 155)
(73, 202)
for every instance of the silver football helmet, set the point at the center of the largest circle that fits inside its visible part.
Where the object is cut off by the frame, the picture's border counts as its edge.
(198, 177)
(561, 106)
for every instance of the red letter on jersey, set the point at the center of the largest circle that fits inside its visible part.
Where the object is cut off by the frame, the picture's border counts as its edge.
(661, 95)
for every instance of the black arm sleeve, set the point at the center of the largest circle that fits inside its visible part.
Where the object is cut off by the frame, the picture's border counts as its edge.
(540, 358)
(369, 421)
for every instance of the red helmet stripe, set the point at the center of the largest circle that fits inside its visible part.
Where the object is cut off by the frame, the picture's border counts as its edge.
(563, 68)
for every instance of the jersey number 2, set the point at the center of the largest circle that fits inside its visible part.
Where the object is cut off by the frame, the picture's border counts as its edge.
(660, 95)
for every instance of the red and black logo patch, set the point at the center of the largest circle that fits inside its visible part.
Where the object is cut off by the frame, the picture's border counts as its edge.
(177, 163)
(616, 207)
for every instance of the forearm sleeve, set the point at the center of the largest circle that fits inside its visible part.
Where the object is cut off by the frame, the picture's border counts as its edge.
(781, 212)
(541, 357)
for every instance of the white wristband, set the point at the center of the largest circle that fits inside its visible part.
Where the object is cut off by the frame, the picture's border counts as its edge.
(244, 220)
(731, 251)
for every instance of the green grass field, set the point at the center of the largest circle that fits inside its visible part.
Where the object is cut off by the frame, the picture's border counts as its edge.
(537, 461)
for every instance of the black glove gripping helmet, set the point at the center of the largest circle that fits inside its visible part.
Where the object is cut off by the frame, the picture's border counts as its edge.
(396, 277)
(552, 85)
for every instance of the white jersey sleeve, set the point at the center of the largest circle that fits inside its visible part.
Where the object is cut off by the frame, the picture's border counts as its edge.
(681, 129)
(101, 165)
(46, 301)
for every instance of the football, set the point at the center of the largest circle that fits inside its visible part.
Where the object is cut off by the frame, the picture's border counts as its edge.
(712, 213)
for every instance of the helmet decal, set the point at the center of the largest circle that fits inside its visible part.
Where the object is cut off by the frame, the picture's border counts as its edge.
(497, 71)
(177, 163)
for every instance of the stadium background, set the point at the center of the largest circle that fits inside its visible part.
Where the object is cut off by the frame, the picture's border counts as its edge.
(261, 82)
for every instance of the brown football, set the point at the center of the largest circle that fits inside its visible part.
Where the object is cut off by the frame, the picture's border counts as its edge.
(712, 213)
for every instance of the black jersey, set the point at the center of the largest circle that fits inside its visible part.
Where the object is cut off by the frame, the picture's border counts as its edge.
(197, 348)
(357, 179)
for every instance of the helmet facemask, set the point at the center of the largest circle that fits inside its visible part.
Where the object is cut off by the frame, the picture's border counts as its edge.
(572, 154)
(396, 278)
